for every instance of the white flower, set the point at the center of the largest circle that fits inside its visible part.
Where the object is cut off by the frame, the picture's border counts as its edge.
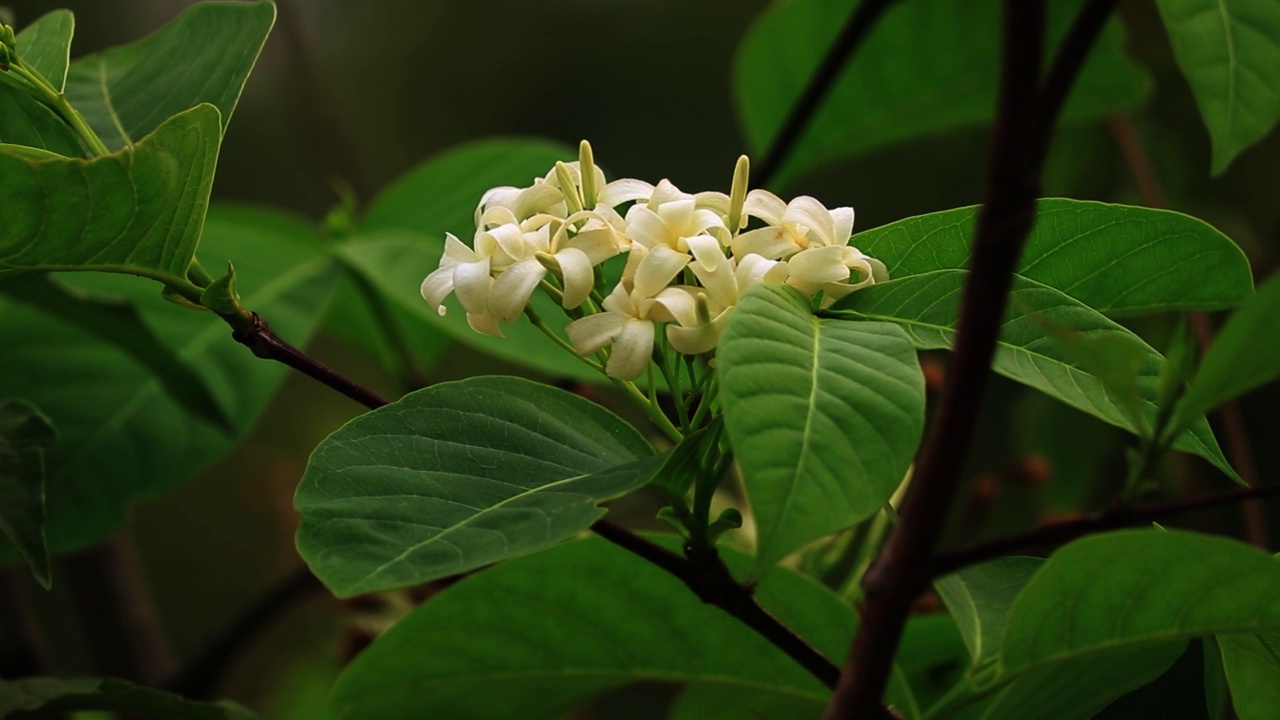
(723, 280)
(466, 272)
(830, 269)
(516, 206)
(628, 324)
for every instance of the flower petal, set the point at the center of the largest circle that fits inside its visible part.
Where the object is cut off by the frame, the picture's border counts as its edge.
(632, 349)
(471, 283)
(675, 304)
(812, 214)
(511, 290)
(437, 286)
(765, 205)
(646, 227)
(819, 265)
(699, 339)
(658, 269)
(484, 323)
(625, 190)
(753, 269)
(593, 332)
(575, 266)
(769, 242)
(843, 219)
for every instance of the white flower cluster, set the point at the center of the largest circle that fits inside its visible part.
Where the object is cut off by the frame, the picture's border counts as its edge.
(689, 257)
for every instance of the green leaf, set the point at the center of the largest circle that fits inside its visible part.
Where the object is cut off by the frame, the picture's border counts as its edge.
(928, 306)
(1244, 355)
(531, 637)
(1102, 255)
(121, 436)
(979, 598)
(1229, 51)
(1178, 694)
(39, 697)
(401, 240)
(893, 91)
(118, 322)
(24, 122)
(45, 46)
(1135, 588)
(24, 435)
(796, 391)
(458, 476)
(138, 211)
(203, 56)
(1252, 664)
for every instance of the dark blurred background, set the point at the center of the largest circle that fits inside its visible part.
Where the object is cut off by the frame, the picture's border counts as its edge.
(363, 91)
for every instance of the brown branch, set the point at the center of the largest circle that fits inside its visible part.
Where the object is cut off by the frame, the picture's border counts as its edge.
(264, 343)
(1229, 416)
(117, 613)
(855, 30)
(1006, 217)
(1058, 533)
(199, 677)
(708, 578)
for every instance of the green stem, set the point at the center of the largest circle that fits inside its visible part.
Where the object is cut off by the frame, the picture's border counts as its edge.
(197, 273)
(537, 321)
(39, 88)
(651, 411)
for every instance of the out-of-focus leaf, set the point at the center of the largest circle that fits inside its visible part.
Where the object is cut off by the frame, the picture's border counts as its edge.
(40, 697)
(1252, 665)
(24, 435)
(979, 598)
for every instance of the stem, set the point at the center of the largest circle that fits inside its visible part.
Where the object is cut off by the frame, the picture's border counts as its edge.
(1006, 217)
(651, 410)
(855, 30)
(117, 613)
(199, 677)
(1061, 532)
(1239, 451)
(264, 343)
(57, 102)
(708, 577)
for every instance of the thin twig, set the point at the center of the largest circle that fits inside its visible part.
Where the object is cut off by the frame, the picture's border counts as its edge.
(713, 583)
(199, 677)
(1228, 414)
(1004, 221)
(117, 613)
(262, 340)
(855, 30)
(1058, 533)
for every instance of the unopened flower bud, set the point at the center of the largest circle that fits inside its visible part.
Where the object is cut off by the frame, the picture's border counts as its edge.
(572, 200)
(738, 194)
(587, 167)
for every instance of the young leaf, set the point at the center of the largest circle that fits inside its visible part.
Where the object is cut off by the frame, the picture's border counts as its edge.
(45, 46)
(203, 56)
(1229, 51)
(891, 91)
(979, 598)
(39, 697)
(928, 307)
(1134, 588)
(24, 435)
(824, 416)
(1252, 665)
(1244, 355)
(119, 323)
(1102, 255)
(121, 436)
(25, 123)
(138, 211)
(458, 476)
(532, 636)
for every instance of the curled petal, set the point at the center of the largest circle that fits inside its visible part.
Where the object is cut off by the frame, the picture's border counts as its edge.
(706, 251)
(646, 227)
(484, 323)
(575, 267)
(716, 201)
(495, 216)
(818, 266)
(504, 196)
(658, 269)
(843, 219)
(678, 216)
(769, 242)
(709, 221)
(753, 269)
(437, 286)
(509, 240)
(813, 215)
(665, 192)
(765, 205)
(511, 290)
(631, 350)
(456, 251)
(675, 304)
(593, 332)
(471, 283)
(698, 339)
(598, 244)
(624, 190)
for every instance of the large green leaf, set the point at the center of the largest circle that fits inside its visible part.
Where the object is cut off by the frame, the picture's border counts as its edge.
(1117, 259)
(1229, 50)
(401, 240)
(1134, 588)
(532, 636)
(24, 122)
(979, 598)
(117, 321)
(824, 416)
(138, 211)
(121, 436)
(42, 697)
(203, 56)
(458, 476)
(928, 306)
(1178, 694)
(1252, 664)
(45, 46)
(24, 434)
(927, 67)
(1244, 355)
